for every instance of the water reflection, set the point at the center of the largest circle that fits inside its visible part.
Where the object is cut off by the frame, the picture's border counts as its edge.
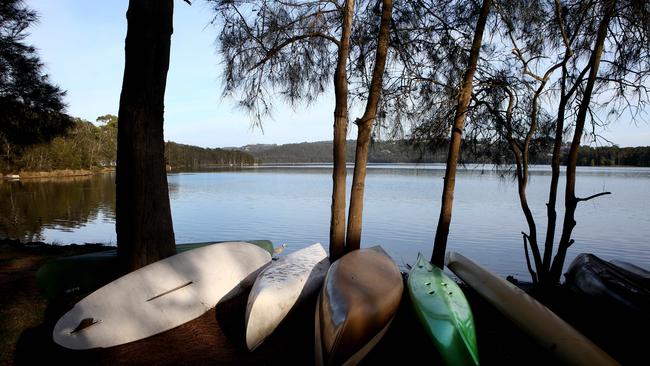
(291, 204)
(31, 206)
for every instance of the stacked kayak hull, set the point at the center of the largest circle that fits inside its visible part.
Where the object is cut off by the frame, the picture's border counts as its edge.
(622, 286)
(280, 287)
(548, 330)
(443, 310)
(360, 296)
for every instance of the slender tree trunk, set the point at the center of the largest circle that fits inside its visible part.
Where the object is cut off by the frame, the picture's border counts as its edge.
(444, 220)
(551, 214)
(565, 96)
(355, 216)
(571, 201)
(520, 154)
(555, 178)
(522, 180)
(144, 223)
(339, 173)
(521, 161)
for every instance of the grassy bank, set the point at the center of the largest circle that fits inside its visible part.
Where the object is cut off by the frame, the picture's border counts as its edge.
(60, 173)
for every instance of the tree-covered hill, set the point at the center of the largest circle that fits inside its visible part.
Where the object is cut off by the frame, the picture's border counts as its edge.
(321, 152)
(86, 145)
(403, 152)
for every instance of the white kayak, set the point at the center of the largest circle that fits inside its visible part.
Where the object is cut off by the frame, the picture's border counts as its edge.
(158, 297)
(281, 286)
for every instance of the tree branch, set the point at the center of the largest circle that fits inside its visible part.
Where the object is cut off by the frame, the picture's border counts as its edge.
(533, 275)
(578, 199)
(270, 53)
(565, 37)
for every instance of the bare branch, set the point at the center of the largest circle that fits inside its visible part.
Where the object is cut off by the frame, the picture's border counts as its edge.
(533, 275)
(578, 199)
(565, 38)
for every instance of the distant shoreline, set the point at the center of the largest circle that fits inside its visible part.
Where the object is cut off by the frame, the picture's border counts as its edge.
(57, 173)
(69, 173)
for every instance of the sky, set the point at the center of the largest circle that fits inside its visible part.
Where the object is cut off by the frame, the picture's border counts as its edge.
(81, 43)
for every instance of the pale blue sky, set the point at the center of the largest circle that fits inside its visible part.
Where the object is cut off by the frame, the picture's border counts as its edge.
(82, 44)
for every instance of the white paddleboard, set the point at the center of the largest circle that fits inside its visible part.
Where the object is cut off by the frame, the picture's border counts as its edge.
(158, 297)
(279, 287)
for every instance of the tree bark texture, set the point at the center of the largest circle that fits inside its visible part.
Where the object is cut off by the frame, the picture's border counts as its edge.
(551, 213)
(444, 220)
(565, 96)
(144, 224)
(571, 201)
(521, 158)
(355, 216)
(339, 173)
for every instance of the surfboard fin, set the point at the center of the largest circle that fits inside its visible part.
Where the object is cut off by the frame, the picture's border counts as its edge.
(83, 324)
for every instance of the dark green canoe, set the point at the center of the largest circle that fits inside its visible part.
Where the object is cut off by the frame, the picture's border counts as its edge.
(444, 312)
(84, 273)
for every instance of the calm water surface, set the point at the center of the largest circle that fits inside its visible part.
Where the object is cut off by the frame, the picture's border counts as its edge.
(291, 205)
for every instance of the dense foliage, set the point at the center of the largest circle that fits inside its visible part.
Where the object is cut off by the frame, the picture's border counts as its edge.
(84, 146)
(32, 107)
(614, 156)
(90, 146)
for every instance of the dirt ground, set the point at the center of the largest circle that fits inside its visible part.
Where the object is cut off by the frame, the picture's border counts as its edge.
(217, 337)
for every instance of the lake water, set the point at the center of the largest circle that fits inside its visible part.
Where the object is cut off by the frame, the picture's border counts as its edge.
(292, 205)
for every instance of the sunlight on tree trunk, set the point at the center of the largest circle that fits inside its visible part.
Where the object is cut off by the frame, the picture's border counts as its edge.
(143, 222)
(355, 216)
(339, 173)
(444, 220)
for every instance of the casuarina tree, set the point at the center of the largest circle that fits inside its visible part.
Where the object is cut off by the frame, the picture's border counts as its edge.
(579, 58)
(464, 96)
(365, 127)
(292, 49)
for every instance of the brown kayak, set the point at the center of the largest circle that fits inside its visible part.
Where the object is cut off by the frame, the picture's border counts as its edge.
(359, 299)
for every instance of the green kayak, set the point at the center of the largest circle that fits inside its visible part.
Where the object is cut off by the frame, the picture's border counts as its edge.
(84, 273)
(444, 312)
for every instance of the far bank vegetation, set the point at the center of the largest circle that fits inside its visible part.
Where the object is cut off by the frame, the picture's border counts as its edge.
(87, 147)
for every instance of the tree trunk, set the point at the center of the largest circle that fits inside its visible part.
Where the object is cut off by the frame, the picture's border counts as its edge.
(565, 96)
(444, 220)
(144, 223)
(555, 178)
(339, 173)
(355, 216)
(571, 201)
(522, 181)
